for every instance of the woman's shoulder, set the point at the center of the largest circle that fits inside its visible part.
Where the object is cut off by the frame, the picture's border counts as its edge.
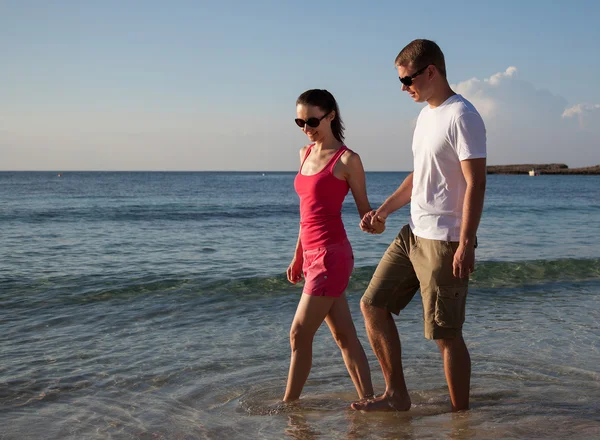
(349, 156)
(351, 163)
(304, 150)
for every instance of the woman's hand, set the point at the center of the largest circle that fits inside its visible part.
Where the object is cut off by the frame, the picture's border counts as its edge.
(365, 222)
(294, 271)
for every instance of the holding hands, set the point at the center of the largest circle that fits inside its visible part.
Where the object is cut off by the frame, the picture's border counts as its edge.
(372, 223)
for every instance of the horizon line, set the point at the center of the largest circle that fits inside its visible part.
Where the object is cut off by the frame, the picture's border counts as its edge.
(177, 171)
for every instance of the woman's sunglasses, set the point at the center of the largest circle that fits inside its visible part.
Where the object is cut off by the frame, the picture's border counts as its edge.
(408, 80)
(311, 122)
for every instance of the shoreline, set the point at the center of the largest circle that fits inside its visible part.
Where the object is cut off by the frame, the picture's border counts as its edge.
(552, 168)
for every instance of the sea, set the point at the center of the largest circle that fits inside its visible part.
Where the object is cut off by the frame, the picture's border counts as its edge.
(154, 305)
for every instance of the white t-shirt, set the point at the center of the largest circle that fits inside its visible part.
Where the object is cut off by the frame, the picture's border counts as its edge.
(444, 136)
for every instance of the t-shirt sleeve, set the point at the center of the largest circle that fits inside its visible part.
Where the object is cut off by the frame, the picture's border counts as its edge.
(470, 137)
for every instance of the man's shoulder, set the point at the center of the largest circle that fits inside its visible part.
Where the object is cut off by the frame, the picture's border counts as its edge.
(461, 106)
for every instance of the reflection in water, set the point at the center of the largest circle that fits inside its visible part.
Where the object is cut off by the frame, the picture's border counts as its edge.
(299, 429)
(329, 415)
(424, 421)
(460, 426)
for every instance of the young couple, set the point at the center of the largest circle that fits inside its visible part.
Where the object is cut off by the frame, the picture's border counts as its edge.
(434, 252)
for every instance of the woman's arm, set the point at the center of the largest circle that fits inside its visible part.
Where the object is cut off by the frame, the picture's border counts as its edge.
(294, 271)
(355, 176)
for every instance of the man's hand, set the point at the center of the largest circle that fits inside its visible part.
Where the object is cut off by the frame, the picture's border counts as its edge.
(378, 224)
(464, 261)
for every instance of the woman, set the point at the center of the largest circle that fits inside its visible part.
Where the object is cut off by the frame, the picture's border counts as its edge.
(323, 256)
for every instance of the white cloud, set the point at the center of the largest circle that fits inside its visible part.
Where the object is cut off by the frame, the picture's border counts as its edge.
(527, 124)
(497, 78)
(580, 109)
(588, 115)
(503, 94)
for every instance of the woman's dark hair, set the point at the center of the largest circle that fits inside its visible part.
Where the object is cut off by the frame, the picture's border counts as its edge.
(326, 102)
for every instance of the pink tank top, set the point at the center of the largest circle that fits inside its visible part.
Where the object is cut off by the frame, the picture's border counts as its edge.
(321, 197)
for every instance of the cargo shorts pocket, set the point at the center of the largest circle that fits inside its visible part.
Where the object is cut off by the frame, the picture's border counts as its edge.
(450, 306)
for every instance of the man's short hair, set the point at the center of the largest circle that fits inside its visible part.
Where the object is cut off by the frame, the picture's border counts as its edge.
(422, 53)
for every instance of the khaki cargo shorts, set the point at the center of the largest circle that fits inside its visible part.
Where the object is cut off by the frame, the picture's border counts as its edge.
(410, 263)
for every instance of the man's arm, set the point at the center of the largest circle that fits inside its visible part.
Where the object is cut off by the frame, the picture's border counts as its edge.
(400, 198)
(474, 172)
(374, 221)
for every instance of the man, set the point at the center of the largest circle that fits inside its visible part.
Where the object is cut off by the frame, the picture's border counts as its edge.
(435, 252)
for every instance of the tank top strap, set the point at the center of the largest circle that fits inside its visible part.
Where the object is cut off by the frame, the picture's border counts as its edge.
(308, 150)
(336, 157)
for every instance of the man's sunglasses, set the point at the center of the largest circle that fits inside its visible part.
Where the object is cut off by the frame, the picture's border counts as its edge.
(311, 122)
(408, 80)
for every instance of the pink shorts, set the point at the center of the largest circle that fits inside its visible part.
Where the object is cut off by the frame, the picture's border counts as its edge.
(327, 269)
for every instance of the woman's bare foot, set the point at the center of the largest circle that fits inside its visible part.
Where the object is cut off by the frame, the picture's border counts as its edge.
(383, 403)
(363, 400)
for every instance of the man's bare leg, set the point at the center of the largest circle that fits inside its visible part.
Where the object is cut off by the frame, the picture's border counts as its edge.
(457, 367)
(384, 338)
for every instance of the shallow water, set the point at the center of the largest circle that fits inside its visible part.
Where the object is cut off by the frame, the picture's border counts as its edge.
(154, 305)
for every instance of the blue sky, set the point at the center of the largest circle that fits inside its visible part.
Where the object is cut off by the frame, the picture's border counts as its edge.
(195, 85)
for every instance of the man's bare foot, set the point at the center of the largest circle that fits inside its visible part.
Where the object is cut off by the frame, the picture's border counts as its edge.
(383, 403)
